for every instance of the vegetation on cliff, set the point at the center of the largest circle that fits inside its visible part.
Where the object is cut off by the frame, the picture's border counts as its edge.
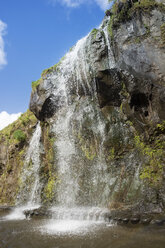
(48, 168)
(44, 73)
(14, 140)
(125, 10)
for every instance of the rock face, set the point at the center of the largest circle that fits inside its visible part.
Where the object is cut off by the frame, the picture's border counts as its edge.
(102, 113)
(12, 155)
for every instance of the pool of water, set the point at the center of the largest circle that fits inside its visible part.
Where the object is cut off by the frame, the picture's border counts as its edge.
(44, 233)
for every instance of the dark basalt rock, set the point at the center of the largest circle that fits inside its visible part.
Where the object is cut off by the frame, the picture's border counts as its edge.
(125, 220)
(39, 212)
(108, 85)
(135, 220)
(145, 220)
(50, 107)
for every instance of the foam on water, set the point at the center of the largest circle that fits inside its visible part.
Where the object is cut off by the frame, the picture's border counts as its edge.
(75, 221)
(18, 213)
(71, 227)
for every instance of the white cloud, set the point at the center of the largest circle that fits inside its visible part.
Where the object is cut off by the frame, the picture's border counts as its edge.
(3, 60)
(6, 119)
(103, 4)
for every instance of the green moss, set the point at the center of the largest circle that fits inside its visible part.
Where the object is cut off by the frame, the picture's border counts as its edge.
(94, 32)
(52, 68)
(36, 83)
(45, 72)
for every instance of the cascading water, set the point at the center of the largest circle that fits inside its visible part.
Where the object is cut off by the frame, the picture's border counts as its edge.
(30, 190)
(107, 38)
(68, 186)
(82, 191)
(29, 193)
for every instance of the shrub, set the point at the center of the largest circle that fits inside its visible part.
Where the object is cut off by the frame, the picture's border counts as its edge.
(19, 135)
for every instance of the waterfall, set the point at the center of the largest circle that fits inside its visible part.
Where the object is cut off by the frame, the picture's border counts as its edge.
(82, 190)
(68, 186)
(111, 59)
(30, 189)
(78, 197)
(29, 193)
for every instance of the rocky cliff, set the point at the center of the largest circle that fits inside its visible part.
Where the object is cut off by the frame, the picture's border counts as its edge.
(102, 114)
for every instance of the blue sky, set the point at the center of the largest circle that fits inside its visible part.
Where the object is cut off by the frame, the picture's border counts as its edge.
(34, 35)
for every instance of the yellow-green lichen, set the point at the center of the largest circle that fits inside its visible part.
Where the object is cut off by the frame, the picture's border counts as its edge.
(161, 126)
(152, 169)
(49, 189)
(111, 154)
(87, 147)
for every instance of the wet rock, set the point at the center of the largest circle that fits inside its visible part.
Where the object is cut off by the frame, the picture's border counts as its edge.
(145, 221)
(135, 220)
(125, 220)
(160, 222)
(109, 87)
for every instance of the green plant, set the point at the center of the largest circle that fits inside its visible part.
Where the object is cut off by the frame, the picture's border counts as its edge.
(52, 68)
(19, 135)
(153, 168)
(36, 83)
(94, 32)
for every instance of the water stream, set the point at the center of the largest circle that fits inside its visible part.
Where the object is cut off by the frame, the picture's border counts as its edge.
(82, 190)
(29, 193)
